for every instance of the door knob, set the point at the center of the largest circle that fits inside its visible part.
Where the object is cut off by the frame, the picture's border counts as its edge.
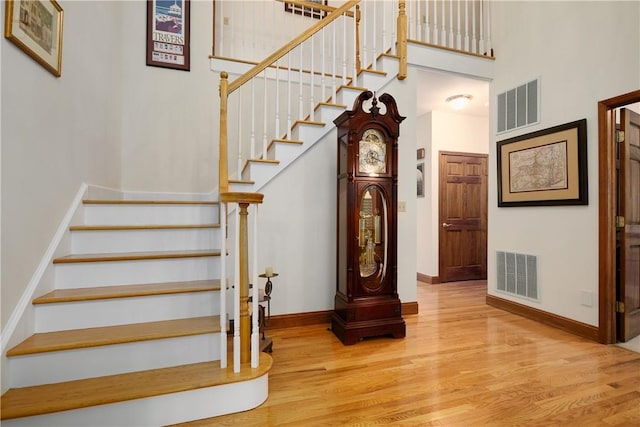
(446, 225)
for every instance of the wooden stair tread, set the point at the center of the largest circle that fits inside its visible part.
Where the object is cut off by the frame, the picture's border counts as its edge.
(358, 88)
(134, 256)
(141, 227)
(287, 141)
(308, 122)
(330, 104)
(109, 335)
(241, 181)
(367, 70)
(43, 399)
(127, 291)
(275, 162)
(148, 202)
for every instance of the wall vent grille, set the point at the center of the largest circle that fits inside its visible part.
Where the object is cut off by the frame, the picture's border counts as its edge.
(519, 107)
(517, 274)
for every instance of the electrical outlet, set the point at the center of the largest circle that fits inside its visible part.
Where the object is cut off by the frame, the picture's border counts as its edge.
(225, 20)
(402, 206)
(586, 298)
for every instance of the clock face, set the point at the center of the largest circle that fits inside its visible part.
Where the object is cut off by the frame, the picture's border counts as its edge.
(372, 153)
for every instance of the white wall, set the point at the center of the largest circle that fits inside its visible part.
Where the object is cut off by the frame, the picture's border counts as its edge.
(583, 53)
(169, 117)
(57, 133)
(442, 131)
(297, 220)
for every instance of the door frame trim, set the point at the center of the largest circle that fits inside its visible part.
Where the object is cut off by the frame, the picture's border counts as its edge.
(485, 156)
(607, 213)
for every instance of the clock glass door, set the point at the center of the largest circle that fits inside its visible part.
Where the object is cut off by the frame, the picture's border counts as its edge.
(372, 238)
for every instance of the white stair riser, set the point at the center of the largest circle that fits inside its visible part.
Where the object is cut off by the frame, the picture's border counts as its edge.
(285, 153)
(327, 114)
(308, 133)
(257, 171)
(347, 96)
(150, 214)
(122, 311)
(160, 410)
(68, 365)
(110, 241)
(371, 79)
(91, 274)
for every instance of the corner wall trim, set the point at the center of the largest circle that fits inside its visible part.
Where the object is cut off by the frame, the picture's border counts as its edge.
(549, 319)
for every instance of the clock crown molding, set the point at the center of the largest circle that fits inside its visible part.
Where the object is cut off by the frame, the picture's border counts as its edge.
(359, 108)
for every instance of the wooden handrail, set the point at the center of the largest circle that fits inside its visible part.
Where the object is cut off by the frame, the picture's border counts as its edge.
(293, 43)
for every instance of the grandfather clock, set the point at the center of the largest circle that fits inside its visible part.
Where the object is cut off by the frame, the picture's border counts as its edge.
(366, 300)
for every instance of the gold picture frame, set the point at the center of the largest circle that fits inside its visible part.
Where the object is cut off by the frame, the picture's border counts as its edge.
(544, 168)
(35, 26)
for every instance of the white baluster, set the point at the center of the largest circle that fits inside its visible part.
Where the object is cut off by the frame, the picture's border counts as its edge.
(277, 126)
(221, 26)
(466, 25)
(474, 45)
(323, 97)
(435, 22)
(427, 23)
(312, 82)
(365, 37)
(333, 62)
(236, 298)
(355, 48)
(255, 334)
(289, 95)
(264, 121)
(384, 27)
(481, 42)
(222, 212)
(252, 148)
(240, 141)
(394, 26)
(459, 34)
(451, 43)
(443, 33)
(344, 51)
(300, 97)
(375, 36)
(487, 10)
(410, 17)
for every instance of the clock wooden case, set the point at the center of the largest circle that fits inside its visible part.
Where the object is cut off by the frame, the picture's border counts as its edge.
(366, 300)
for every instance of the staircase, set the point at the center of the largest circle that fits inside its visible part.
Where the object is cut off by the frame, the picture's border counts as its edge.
(131, 334)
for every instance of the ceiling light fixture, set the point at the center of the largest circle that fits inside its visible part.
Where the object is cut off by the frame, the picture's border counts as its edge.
(458, 102)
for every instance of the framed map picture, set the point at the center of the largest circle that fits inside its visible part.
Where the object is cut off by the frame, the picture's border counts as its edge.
(168, 27)
(544, 168)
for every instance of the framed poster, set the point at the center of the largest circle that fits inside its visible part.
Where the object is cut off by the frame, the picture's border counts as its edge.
(35, 26)
(544, 168)
(168, 27)
(420, 180)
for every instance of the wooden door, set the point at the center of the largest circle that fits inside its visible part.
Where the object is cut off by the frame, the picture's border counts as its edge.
(629, 233)
(463, 217)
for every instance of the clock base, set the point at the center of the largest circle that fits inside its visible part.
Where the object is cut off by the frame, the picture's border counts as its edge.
(351, 322)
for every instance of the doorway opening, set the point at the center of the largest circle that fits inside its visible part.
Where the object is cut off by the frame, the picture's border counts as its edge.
(609, 219)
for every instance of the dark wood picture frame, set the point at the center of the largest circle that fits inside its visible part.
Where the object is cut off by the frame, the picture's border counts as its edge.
(311, 12)
(168, 29)
(544, 168)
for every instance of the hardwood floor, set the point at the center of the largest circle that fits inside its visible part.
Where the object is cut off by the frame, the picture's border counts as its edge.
(462, 363)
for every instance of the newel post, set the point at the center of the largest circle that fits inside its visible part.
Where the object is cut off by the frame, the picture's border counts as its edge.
(401, 43)
(223, 174)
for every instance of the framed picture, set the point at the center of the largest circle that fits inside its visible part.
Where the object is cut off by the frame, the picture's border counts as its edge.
(420, 154)
(168, 27)
(420, 179)
(309, 11)
(35, 26)
(544, 168)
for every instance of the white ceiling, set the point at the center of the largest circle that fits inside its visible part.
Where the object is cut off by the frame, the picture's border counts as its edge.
(434, 87)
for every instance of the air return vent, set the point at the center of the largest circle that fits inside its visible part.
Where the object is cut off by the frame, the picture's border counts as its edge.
(517, 274)
(518, 107)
